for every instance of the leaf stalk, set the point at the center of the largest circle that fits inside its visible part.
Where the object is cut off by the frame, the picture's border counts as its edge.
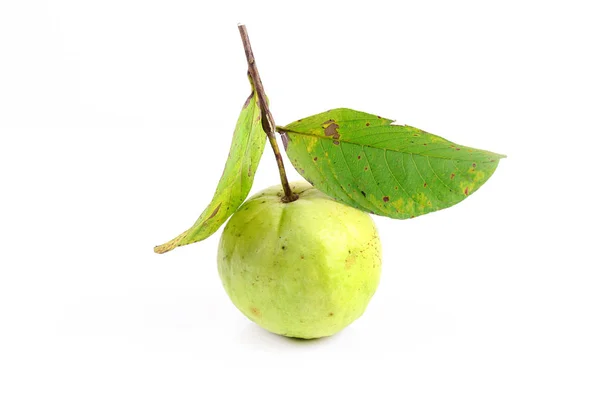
(267, 120)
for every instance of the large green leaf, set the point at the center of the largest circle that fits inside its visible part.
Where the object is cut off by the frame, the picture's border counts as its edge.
(244, 155)
(393, 170)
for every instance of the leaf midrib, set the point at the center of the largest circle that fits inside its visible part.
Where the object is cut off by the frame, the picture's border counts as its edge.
(385, 148)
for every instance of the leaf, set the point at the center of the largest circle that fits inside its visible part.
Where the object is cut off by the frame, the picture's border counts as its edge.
(244, 155)
(392, 170)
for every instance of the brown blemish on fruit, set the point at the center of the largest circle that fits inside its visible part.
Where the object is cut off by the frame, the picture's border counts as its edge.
(255, 311)
(350, 261)
(386, 199)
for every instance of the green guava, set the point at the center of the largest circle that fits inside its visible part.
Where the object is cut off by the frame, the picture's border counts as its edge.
(304, 269)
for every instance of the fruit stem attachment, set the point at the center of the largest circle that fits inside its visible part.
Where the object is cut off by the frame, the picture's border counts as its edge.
(268, 123)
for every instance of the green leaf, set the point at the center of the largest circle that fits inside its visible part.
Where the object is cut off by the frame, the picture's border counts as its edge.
(392, 170)
(244, 155)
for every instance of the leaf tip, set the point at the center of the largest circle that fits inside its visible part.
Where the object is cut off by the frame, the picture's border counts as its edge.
(497, 157)
(160, 249)
(171, 244)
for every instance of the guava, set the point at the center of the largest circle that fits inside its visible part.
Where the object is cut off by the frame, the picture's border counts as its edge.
(306, 268)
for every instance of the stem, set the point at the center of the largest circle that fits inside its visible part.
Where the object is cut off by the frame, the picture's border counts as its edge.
(268, 122)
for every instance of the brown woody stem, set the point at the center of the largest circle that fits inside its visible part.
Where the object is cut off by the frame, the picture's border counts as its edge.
(267, 119)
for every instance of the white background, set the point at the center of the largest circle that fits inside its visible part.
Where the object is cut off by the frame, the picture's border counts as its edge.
(115, 121)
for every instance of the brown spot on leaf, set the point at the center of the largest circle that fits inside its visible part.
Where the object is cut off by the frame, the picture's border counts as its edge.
(331, 130)
(467, 191)
(452, 176)
(424, 144)
(302, 257)
(359, 157)
(336, 142)
(258, 118)
(425, 184)
(215, 211)
(474, 165)
(299, 120)
(366, 168)
(368, 123)
(331, 314)
(386, 199)
(378, 117)
(458, 148)
(363, 193)
(315, 159)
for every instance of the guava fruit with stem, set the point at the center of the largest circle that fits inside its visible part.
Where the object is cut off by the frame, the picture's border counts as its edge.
(305, 268)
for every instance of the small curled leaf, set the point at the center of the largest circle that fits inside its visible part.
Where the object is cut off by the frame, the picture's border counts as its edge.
(238, 175)
(397, 171)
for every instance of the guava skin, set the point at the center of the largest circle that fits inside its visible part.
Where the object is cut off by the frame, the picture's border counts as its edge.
(304, 269)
